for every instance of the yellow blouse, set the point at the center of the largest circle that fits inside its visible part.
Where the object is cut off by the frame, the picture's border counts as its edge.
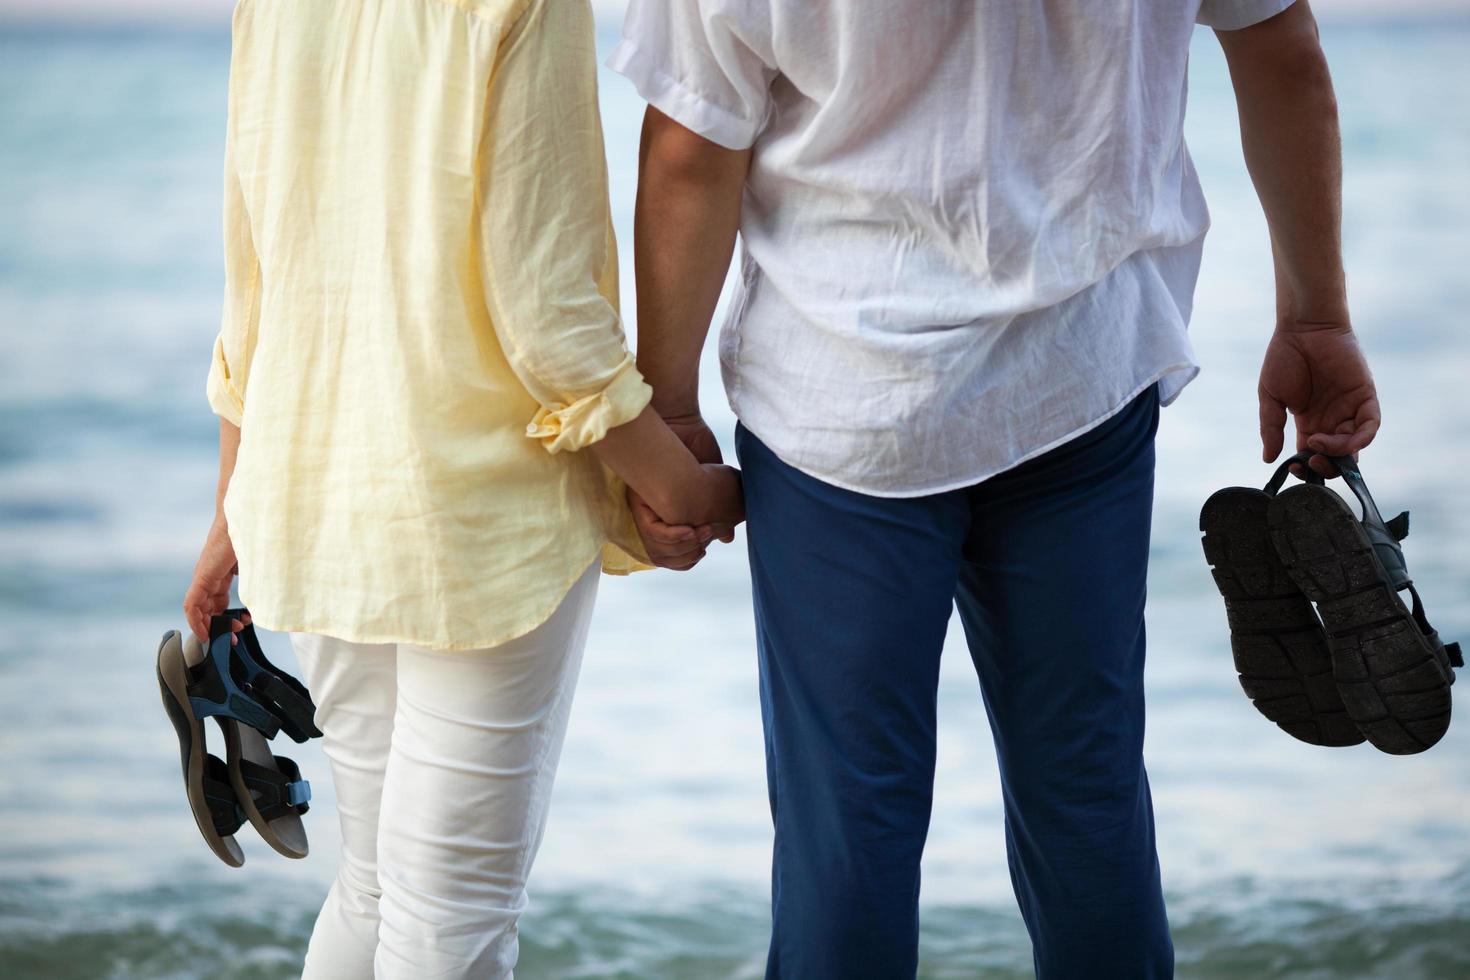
(421, 322)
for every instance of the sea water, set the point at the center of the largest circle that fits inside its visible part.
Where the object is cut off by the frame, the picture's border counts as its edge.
(1280, 859)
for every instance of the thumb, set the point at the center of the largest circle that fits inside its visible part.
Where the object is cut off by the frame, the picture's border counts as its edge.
(1273, 426)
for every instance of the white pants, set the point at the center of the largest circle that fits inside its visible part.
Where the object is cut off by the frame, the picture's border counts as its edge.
(443, 764)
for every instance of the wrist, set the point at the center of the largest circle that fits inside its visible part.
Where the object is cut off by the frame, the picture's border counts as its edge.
(681, 403)
(671, 498)
(1298, 326)
(1300, 309)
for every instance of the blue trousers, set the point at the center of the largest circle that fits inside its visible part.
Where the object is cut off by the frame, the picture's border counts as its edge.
(1047, 564)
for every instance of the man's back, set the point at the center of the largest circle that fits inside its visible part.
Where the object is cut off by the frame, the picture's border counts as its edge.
(949, 164)
(927, 180)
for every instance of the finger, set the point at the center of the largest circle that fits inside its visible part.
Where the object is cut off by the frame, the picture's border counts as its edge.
(1337, 443)
(194, 615)
(650, 525)
(658, 550)
(1369, 418)
(198, 622)
(1273, 427)
(683, 563)
(672, 534)
(1323, 465)
(722, 532)
(1364, 437)
(665, 558)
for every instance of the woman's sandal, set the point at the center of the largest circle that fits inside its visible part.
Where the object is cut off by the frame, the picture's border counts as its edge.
(1392, 670)
(236, 680)
(269, 789)
(253, 785)
(1280, 651)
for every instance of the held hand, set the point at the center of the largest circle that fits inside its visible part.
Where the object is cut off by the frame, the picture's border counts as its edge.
(720, 505)
(696, 435)
(209, 592)
(1319, 375)
(724, 502)
(673, 546)
(677, 546)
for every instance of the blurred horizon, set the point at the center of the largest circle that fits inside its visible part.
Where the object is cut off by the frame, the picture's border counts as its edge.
(1281, 860)
(206, 13)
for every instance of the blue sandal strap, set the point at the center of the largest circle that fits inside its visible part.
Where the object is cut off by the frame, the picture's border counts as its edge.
(278, 791)
(214, 691)
(282, 695)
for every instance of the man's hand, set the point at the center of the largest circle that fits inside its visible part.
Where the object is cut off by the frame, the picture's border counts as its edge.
(1319, 375)
(209, 592)
(673, 546)
(694, 433)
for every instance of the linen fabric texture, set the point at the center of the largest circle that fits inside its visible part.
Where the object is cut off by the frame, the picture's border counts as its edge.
(421, 322)
(971, 231)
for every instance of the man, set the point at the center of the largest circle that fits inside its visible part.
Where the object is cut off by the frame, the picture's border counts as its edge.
(971, 236)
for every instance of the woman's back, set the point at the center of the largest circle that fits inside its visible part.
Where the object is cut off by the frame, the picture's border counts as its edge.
(420, 262)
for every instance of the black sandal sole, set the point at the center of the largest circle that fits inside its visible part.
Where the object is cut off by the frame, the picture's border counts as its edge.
(1393, 681)
(172, 687)
(1280, 650)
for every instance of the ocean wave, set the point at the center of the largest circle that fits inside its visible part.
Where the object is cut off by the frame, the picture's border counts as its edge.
(1319, 930)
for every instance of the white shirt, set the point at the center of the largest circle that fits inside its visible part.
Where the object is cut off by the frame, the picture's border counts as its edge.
(971, 230)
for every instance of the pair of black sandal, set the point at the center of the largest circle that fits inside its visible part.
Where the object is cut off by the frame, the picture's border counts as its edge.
(251, 699)
(1360, 665)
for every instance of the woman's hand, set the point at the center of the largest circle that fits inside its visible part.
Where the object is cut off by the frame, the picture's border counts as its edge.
(209, 592)
(716, 495)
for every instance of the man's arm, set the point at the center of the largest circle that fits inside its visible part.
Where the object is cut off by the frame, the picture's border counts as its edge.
(1293, 149)
(688, 210)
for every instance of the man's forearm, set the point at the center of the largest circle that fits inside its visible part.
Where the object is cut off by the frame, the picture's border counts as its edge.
(1293, 148)
(688, 212)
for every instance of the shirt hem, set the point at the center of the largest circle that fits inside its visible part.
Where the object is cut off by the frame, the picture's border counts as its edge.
(267, 621)
(1189, 369)
(675, 100)
(1243, 15)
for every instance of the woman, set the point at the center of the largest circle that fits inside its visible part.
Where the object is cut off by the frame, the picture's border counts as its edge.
(420, 338)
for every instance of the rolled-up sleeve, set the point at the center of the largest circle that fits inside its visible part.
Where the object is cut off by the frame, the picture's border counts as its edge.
(706, 64)
(235, 345)
(548, 258)
(1232, 15)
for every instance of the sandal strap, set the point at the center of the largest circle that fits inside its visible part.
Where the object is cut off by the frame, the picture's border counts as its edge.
(215, 691)
(278, 791)
(237, 681)
(1384, 535)
(219, 795)
(285, 697)
(1284, 470)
